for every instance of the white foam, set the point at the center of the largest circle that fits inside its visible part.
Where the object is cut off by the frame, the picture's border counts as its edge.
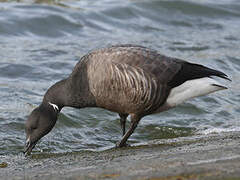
(213, 160)
(218, 130)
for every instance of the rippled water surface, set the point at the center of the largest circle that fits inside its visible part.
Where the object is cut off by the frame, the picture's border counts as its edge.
(40, 42)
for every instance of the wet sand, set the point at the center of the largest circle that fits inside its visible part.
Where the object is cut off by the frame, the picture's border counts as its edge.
(215, 156)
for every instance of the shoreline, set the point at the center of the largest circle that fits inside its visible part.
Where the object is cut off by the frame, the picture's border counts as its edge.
(215, 156)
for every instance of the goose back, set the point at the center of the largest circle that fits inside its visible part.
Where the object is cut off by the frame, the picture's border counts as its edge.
(132, 79)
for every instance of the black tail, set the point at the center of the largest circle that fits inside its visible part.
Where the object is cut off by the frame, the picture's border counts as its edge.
(191, 71)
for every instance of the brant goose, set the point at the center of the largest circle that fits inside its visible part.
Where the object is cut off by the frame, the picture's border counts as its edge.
(127, 79)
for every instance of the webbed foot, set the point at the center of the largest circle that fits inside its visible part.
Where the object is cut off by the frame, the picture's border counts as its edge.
(118, 145)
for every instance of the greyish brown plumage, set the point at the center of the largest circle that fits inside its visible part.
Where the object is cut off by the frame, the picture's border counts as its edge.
(127, 79)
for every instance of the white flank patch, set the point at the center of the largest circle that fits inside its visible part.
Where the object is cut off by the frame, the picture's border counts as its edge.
(55, 107)
(191, 89)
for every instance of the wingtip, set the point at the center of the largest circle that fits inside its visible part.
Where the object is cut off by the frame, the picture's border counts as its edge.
(220, 86)
(226, 77)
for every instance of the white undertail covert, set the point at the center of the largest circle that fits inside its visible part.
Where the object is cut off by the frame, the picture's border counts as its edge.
(191, 89)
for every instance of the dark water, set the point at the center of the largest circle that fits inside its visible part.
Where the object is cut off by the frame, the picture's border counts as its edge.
(41, 42)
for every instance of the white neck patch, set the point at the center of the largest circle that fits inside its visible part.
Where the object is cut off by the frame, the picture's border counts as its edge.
(55, 107)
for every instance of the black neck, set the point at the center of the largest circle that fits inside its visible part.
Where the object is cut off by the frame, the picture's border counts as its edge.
(49, 109)
(56, 95)
(67, 93)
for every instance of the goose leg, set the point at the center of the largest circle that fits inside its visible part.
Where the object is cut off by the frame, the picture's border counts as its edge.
(134, 122)
(123, 118)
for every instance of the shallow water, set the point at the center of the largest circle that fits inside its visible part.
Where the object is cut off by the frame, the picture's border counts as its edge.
(40, 42)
